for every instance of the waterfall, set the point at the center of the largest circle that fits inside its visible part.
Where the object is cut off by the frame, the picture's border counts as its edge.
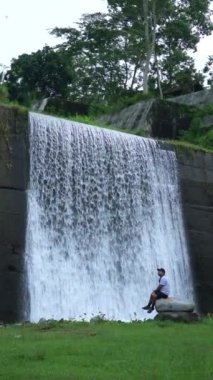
(104, 212)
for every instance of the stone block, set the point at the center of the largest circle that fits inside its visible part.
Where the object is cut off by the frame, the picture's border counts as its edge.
(173, 304)
(11, 259)
(11, 295)
(11, 283)
(204, 297)
(199, 218)
(199, 98)
(13, 204)
(14, 166)
(12, 227)
(196, 193)
(208, 161)
(12, 201)
(203, 269)
(201, 243)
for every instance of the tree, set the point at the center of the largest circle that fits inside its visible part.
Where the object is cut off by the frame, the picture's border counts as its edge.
(208, 70)
(37, 75)
(143, 17)
(137, 46)
(165, 26)
(100, 61)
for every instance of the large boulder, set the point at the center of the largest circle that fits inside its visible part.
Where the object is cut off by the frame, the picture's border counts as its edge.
(174, 305)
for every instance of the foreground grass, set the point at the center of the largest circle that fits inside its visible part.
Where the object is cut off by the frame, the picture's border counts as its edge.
(107, 351)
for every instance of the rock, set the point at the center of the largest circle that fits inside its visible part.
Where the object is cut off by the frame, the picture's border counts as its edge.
(42, 320)
(173, 304)
(181, 316)
(98, 318)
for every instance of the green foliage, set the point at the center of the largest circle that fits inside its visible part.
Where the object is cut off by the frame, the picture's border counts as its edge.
(207, 139)
(188, 146)
(169, 31)
(136, 46)
(107, 350)
(129, 100)
(37, 75)
(112, 52)
(208, 70)
(17, 109)
(97, 52)
(199, 137)
(196, 134)
(3, 94)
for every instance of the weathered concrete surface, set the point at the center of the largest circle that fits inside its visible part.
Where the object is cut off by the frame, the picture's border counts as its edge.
(196, 182)
(207, 122)
(13, 184)
(198, 99)
(154, 117)
(162, 118)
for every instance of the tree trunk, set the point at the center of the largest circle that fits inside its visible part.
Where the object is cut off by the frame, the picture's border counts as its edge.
(134, 76)
(147, 47)
(150, 35)
(158, 77)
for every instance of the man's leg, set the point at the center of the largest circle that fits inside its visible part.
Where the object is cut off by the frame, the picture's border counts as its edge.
(151, 302)
(156, 296)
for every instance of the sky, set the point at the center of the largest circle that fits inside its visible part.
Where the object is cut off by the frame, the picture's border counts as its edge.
(24, 25)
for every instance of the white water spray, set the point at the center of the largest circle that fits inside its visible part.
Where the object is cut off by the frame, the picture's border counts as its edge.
(103, 213)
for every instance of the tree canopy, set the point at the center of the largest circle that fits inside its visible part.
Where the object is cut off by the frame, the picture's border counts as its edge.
(37, 75)
(137, 46)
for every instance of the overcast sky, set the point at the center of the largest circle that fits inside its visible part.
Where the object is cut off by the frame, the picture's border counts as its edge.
(24, 25)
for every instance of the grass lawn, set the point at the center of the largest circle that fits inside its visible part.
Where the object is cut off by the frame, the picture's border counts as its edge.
(107, 351)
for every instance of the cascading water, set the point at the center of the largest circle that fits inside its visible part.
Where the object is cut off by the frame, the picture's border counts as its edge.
(103, 213)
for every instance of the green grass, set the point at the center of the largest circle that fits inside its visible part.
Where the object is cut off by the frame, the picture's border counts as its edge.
(15, 107)
(188, 146)
(107, 351)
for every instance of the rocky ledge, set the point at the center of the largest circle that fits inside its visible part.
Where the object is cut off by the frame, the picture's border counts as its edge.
(172, 309)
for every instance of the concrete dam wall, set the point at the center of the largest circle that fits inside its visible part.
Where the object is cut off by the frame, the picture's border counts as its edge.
(14, 171)
(196, 184)
(196, 179)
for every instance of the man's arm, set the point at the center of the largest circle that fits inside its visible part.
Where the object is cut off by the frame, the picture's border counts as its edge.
(161, 284)
(158, 288)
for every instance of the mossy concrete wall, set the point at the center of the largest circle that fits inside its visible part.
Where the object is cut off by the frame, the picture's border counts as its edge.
(196, 181)
(154, 117)
(198, 99)
(13, 184)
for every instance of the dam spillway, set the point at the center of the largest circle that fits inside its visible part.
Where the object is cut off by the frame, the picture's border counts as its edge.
(104, 212)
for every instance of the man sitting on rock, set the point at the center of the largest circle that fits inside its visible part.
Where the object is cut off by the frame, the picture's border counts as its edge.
(162, 291)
